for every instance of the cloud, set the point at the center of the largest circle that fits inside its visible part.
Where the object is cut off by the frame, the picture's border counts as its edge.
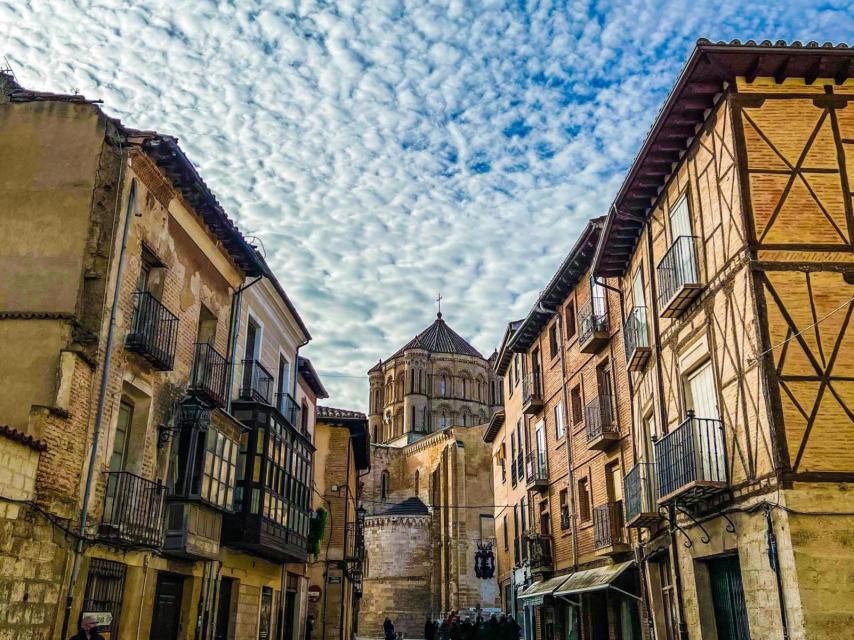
(387, 150)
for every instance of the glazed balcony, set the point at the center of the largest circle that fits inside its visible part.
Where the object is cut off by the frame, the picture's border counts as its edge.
(677, 277)
(210, 370)
(289, 408)
(691, 461)
(256, 383)
(593, 320)
(154, 332)
(193, 531)
(265, 536)
(532, 393)
(133, 510)
(601, 423)
(636, 339)
(609, 536)
(640, 488)
(537, 470)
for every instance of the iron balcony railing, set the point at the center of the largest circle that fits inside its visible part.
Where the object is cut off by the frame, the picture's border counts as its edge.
(599, 418)
(564, 518)
(608, 525)
(539, 549)
(677, 269)
(593, 317)
(692, 453)
(635, 331)
(532, 388)
(640, 490)
(289, 408)
(210, 369)
(133, 510)
(537, 467)
(520, 466)
(154, 332)
(256, 383)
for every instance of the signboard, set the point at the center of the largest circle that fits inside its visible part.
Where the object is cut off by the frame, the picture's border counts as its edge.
(101, 618)
(334, 580)
(314, 593)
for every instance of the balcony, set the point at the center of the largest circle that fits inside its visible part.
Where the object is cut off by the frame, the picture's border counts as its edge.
(608, 533)
(289, 408)
(264, 536)
(256, 384)
(193, 531)
(677, 277)
(133, 510)
(640, 489)
(593, 317)
(210, 370)
(691, 461)
(532, 393)
(636, 339)
(537, 470)
(154, 332)
(602, 428)
(540, 552)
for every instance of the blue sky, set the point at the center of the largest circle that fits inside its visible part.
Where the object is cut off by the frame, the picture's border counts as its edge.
(386, 151)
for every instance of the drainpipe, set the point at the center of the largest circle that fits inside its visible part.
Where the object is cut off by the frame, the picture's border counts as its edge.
(233, 331)
(102, 393)
(774, 559)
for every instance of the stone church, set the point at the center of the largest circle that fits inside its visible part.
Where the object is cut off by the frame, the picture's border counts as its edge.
(429, 491)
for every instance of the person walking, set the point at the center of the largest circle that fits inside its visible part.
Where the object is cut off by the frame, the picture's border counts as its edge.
(429, 629)
(88, 630)
(388, 629)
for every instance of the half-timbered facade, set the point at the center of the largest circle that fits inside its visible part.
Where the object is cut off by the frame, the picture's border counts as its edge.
(732, 239)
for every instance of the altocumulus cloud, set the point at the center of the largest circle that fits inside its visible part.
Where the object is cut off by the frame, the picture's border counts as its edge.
(387, 150)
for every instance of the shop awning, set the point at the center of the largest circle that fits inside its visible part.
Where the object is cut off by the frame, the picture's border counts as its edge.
(534, 594)
(592, 579)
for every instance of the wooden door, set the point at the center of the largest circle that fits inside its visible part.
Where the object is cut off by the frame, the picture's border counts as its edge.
(728, 599)
(223, 609)
(166, 615)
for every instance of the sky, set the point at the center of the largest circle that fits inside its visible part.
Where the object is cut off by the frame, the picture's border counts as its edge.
(385, 151)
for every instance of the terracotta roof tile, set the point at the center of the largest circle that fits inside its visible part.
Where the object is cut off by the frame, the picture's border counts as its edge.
(22, 438)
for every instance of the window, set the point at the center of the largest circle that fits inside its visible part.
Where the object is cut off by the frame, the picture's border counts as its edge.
(502, 453)
(304, 417)
(583, 500)
(207, 326)
(384, 482)
(105, 585)
(120, 442)
(516, 537)
(487, 527)
(284, 383)
(506, 538)
(569, 313)
(575, 401)
(376, 434)
(513, 459)
(560, 421)
(545, 518)
(219, 470)
(523, 508)
(667, 595)
(417, 481)
(443, 385)
(553, 348)
(517, 368)
(680, 219)
(700, 394)
(564, 509)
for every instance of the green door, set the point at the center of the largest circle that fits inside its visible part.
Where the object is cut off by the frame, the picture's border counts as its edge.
(728, 598)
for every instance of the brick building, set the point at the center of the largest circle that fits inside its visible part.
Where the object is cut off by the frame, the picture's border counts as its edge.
(567, 438)
(124, 272)
(429, 404)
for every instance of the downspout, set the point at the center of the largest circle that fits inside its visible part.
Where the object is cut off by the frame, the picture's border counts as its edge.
(233, 331)
(774, 560)
(102, 393)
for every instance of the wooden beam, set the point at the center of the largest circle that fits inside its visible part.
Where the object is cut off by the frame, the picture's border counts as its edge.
(842, 71)
(813, 71)
(753, 69)
(703, 88)
(694, 104)
(780, 72)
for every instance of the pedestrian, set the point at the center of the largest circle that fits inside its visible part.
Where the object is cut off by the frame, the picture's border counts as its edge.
(88, 630)
(388, 629)
(309, 626)
(429, 629)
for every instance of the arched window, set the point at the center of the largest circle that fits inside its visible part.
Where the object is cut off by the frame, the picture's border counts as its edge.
(412, 381)
(443, 386)
(443, 420)
(384, 485)
(417, 482)
(376, 433)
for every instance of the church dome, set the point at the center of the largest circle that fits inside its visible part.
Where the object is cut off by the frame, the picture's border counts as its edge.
(440, 338)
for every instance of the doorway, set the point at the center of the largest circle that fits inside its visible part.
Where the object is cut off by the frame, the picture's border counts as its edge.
(223, 609)
(728, 599)
(166, 616)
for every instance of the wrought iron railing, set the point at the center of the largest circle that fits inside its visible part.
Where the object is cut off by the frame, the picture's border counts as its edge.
(593, 318)
(210, 370)
(693, 452)
(532, 388)
(635, 331)
(256, 383)
(520, 466)
(539, 549)
(677, 268)
(564, 518)
(537, 467)
(608, 525)
(154, 332)
(289, 408)
(640, 490)
(599, 418)
(133, 510)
